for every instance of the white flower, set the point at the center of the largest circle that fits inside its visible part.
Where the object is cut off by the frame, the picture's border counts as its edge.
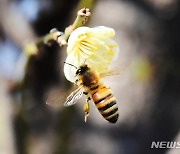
(92, 46)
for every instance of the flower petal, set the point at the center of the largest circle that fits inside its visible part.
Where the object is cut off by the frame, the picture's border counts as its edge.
(93, 45)
(113, 47)
(102, 31)
(76, 36)
(70, 71)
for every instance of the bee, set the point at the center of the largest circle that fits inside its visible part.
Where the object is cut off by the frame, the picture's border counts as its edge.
(89, 83)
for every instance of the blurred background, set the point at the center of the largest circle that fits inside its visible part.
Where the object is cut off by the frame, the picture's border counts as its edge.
(148, 91)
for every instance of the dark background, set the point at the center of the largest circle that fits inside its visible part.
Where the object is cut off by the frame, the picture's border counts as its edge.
(148, 92)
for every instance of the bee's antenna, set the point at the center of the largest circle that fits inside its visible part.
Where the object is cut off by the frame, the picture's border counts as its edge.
(70, 64)
(85, 61)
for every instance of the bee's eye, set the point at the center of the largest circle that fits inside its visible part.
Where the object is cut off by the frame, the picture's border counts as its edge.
(79, 71)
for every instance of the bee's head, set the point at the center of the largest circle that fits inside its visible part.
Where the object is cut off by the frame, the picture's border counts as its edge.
(82, 70)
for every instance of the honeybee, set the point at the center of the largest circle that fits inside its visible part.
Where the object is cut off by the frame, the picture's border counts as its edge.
(89, 83)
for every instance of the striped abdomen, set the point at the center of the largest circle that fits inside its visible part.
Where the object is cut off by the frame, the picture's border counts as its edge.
(105, 103)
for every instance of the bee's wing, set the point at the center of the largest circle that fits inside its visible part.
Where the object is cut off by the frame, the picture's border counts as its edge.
(74, 97)
(110, 73)
(56, 97)
(115, 71)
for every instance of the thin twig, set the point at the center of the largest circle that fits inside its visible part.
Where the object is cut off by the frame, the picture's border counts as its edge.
(60, 37)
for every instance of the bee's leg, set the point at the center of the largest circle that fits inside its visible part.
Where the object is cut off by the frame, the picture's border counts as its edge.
(86, 108)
